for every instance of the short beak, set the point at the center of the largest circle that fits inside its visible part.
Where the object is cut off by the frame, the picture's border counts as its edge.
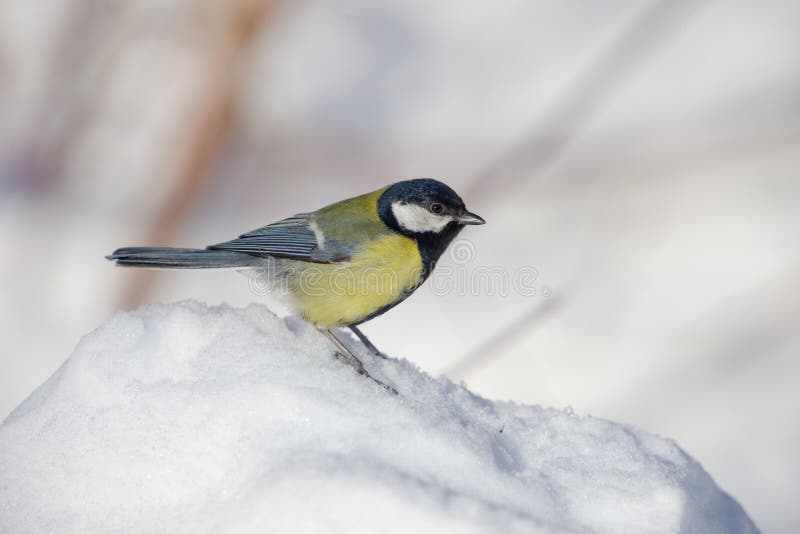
(470, 218)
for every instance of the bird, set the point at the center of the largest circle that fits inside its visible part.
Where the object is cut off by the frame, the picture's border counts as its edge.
(342, 264)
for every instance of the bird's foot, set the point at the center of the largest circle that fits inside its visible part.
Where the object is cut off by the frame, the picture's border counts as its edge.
(356, 364)
(346, 356)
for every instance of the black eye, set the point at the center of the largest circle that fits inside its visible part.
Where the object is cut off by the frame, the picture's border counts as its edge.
(436, 208)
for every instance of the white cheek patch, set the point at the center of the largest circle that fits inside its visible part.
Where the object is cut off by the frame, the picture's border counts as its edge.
(418, 219)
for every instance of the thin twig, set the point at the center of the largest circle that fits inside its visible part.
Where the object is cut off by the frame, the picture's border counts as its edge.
(549, 137)
(501, 340)
(231, 28)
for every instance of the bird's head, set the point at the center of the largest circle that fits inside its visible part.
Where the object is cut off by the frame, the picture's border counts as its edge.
(424, 208)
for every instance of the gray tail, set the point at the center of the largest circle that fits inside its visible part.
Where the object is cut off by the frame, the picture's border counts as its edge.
(179, 258)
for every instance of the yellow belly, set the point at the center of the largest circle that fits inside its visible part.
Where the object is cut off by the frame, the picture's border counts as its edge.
(384, 272)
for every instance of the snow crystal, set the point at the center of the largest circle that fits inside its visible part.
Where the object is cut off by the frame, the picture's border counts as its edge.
(188, 418)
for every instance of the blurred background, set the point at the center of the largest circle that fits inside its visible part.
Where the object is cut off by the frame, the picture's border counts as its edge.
(642, 157)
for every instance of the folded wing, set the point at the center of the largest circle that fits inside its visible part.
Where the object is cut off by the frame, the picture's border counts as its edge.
(293, 238)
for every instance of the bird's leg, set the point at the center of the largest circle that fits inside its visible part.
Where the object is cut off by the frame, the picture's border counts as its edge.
(346, 355)
(366, 342)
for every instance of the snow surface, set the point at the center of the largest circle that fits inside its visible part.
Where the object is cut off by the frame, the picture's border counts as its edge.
(189, 418)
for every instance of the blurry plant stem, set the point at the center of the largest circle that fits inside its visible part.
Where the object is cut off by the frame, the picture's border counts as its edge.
(501, 340)
(610, 69)
(547, 139)
(231, 28)
(74, 86)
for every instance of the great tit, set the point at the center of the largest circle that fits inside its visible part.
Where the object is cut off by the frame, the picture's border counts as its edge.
(342, 264)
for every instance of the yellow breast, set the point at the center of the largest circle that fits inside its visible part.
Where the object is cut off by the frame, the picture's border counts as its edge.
(383, 273)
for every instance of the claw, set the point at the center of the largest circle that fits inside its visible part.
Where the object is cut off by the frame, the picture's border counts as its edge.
(346, 356)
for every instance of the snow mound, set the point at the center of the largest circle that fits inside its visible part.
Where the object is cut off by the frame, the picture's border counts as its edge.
(188, 418)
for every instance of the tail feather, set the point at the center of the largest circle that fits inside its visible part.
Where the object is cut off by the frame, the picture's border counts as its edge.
(179, 258)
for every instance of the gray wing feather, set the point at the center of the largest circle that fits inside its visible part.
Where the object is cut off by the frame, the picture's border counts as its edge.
(290, 238)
